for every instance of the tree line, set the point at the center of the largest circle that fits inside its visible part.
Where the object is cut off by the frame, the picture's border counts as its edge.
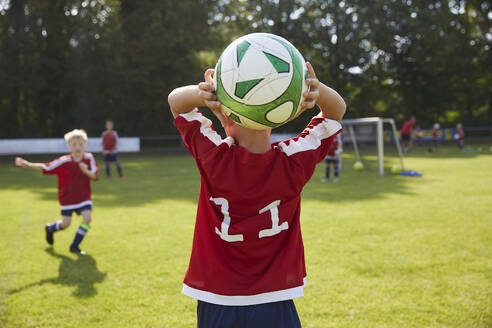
(76, 63)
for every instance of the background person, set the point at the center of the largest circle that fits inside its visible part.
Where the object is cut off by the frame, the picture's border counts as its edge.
(333, 158)
(406, 134)
(460, 136)
(110, 149)
(435, 137)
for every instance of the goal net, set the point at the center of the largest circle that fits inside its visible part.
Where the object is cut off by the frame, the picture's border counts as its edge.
(375, 124)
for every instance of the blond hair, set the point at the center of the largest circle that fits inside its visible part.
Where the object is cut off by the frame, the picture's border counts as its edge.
(76, 133)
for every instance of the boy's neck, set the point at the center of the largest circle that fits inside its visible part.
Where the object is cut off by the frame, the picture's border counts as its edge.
(77, 158)
(255, 141)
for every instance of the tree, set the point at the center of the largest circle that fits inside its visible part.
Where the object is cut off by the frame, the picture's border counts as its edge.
(75, 63)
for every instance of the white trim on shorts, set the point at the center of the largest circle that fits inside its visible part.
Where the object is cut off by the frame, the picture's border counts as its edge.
(76, 206)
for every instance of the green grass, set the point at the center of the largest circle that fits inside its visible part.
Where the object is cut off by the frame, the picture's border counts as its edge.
(380, 252)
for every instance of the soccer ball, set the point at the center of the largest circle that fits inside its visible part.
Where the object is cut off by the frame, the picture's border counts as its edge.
(437, 126)
(260, 81)
(396, 169)
(358, 166)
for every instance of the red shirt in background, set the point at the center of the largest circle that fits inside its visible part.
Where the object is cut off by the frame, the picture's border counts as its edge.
(407, 127)
(109, 141)
(435, 133)
(335, 148)
(74, 187)
(461, 134)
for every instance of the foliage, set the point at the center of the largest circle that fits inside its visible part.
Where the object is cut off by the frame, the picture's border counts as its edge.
(74, 63)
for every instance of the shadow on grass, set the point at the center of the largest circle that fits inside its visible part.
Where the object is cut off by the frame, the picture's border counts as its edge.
(355, 186)
(445, 150)
(154, 178)
(147, 179)
(81, 273)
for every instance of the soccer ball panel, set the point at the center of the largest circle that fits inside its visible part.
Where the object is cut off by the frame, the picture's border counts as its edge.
(243, 120)
(260, 79)
(280, 114)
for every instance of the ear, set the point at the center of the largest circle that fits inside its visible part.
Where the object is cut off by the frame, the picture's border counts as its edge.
(229, 122)
(225, 121)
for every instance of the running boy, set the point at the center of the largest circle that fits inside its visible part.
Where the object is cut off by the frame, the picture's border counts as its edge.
(247, 259)
(333, 157)
(110, 149)
(460, 136)
(74, 173)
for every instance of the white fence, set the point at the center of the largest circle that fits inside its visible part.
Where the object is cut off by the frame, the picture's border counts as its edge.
(57, 146)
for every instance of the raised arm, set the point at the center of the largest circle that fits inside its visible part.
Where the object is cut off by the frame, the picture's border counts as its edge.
(331, 103)
(184, 99)
(23, 163)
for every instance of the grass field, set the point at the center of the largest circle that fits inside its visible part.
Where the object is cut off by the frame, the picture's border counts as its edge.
(380, 252)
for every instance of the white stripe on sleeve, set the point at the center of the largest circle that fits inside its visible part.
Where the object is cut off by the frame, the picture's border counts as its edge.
(206, 128)
(56, 163)
(312, 140)
(92, 161)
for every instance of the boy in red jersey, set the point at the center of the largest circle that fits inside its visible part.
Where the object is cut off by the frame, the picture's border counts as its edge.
(435, 137)
(406, 134)
(74, 173)
(460, 136)
(333, 157)
(247, 259)
(110, 149)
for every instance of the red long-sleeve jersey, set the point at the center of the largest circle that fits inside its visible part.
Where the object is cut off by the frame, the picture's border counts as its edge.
(74, 187)
(247, 245)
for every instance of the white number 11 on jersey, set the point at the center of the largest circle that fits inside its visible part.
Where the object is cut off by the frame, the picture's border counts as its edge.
(224, 228)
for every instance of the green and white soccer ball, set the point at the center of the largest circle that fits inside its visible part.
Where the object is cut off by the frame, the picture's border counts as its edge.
(260, 81)
(358, 166)
(396, 169)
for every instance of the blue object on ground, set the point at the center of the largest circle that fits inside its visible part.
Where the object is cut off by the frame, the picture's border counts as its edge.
(410, 173)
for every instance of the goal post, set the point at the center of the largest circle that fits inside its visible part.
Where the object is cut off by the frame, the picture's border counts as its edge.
(378, 122)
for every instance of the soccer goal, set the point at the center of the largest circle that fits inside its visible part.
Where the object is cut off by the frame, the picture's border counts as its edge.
(377, 124)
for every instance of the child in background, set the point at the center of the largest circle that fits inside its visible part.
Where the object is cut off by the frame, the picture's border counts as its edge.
(110, 149)
(460, 136)
(435, 137)
(406, 134)
(74, 173)
(333, 157)
(247, 259)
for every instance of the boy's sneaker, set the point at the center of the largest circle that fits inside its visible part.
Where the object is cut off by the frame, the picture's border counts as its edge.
(324, 179)
(49, 234)
(76, 250)
(335, 179)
